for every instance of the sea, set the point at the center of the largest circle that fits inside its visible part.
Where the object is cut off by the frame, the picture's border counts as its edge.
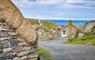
(63, 22)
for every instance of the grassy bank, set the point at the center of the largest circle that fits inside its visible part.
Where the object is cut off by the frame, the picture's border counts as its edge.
(79, 41)
(47, 24)
(43, 52)
(89, 39)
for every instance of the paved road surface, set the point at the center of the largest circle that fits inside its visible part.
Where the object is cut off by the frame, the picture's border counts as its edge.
(60, 51)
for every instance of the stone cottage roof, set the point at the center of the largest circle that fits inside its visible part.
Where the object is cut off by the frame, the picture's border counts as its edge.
(90, 26)
(67, 25)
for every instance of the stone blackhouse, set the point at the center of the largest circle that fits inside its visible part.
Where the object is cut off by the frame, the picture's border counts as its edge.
(18, 38)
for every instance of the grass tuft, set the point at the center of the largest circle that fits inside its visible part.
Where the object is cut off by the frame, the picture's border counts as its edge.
(44, 53)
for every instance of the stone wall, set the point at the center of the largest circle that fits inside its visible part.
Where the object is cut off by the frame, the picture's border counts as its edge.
(12, 47)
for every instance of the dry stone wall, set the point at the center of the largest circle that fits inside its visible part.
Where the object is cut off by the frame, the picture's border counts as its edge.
(12, 47)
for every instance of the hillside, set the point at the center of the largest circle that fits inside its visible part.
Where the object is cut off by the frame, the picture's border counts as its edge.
(47, 24)
(92, 21)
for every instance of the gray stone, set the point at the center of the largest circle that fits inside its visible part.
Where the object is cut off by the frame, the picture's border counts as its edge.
(12, 33)
(10, 55)
(32, 56)
(16, 58)
(13, 42)
(23, 53)
(7, 49)
(4, 44)
(13, 37)
(24, 58)
(19, 39)
(17, 49)
(3, 34)
(1, 51)
(7, 55)
(5, 38)
(26, 48)
(22, 43)
(2, 58)
(8, 59)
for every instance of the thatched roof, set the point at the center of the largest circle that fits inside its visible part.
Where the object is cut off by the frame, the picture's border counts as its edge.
(13, 17)
(10, 13)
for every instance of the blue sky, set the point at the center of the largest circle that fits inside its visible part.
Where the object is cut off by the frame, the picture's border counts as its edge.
(57, 9)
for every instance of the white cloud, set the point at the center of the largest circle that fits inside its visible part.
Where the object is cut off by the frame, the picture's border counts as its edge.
(27, 3)
(66, 3)
(59, 5)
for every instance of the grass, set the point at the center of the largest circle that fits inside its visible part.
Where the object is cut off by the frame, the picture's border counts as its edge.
(43, 52)
(89, 39)
(47, 24)
(90, 42)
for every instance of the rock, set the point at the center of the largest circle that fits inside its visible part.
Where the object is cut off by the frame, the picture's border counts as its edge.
(22, 43)
(17, 49)
(12, 33)
(4, 44)
(19, 39)
(23, 53)
(26, 48)
(3, 34)
(16, 58)
(24, 58)
(5, 38)
(10, 30)
(32, 56)
(13, 42)
(11, 55)
(2, 59)
(34, 59)
(7, 49)
(1, 45)
(6, 26)
(1, 51)
(2, 29)
(7, 55)
(13, 37)
(8, 59)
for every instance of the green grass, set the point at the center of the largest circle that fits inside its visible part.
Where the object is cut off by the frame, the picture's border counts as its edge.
(47, 24)
(43, 52)
(89, 39)
(92, 42)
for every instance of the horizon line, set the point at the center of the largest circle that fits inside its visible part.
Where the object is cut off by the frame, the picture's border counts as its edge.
(62, 18)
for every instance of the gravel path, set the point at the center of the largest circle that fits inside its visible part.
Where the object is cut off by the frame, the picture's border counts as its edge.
(60, 51)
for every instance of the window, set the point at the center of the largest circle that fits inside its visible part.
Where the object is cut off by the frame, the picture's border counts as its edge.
(64, 32)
